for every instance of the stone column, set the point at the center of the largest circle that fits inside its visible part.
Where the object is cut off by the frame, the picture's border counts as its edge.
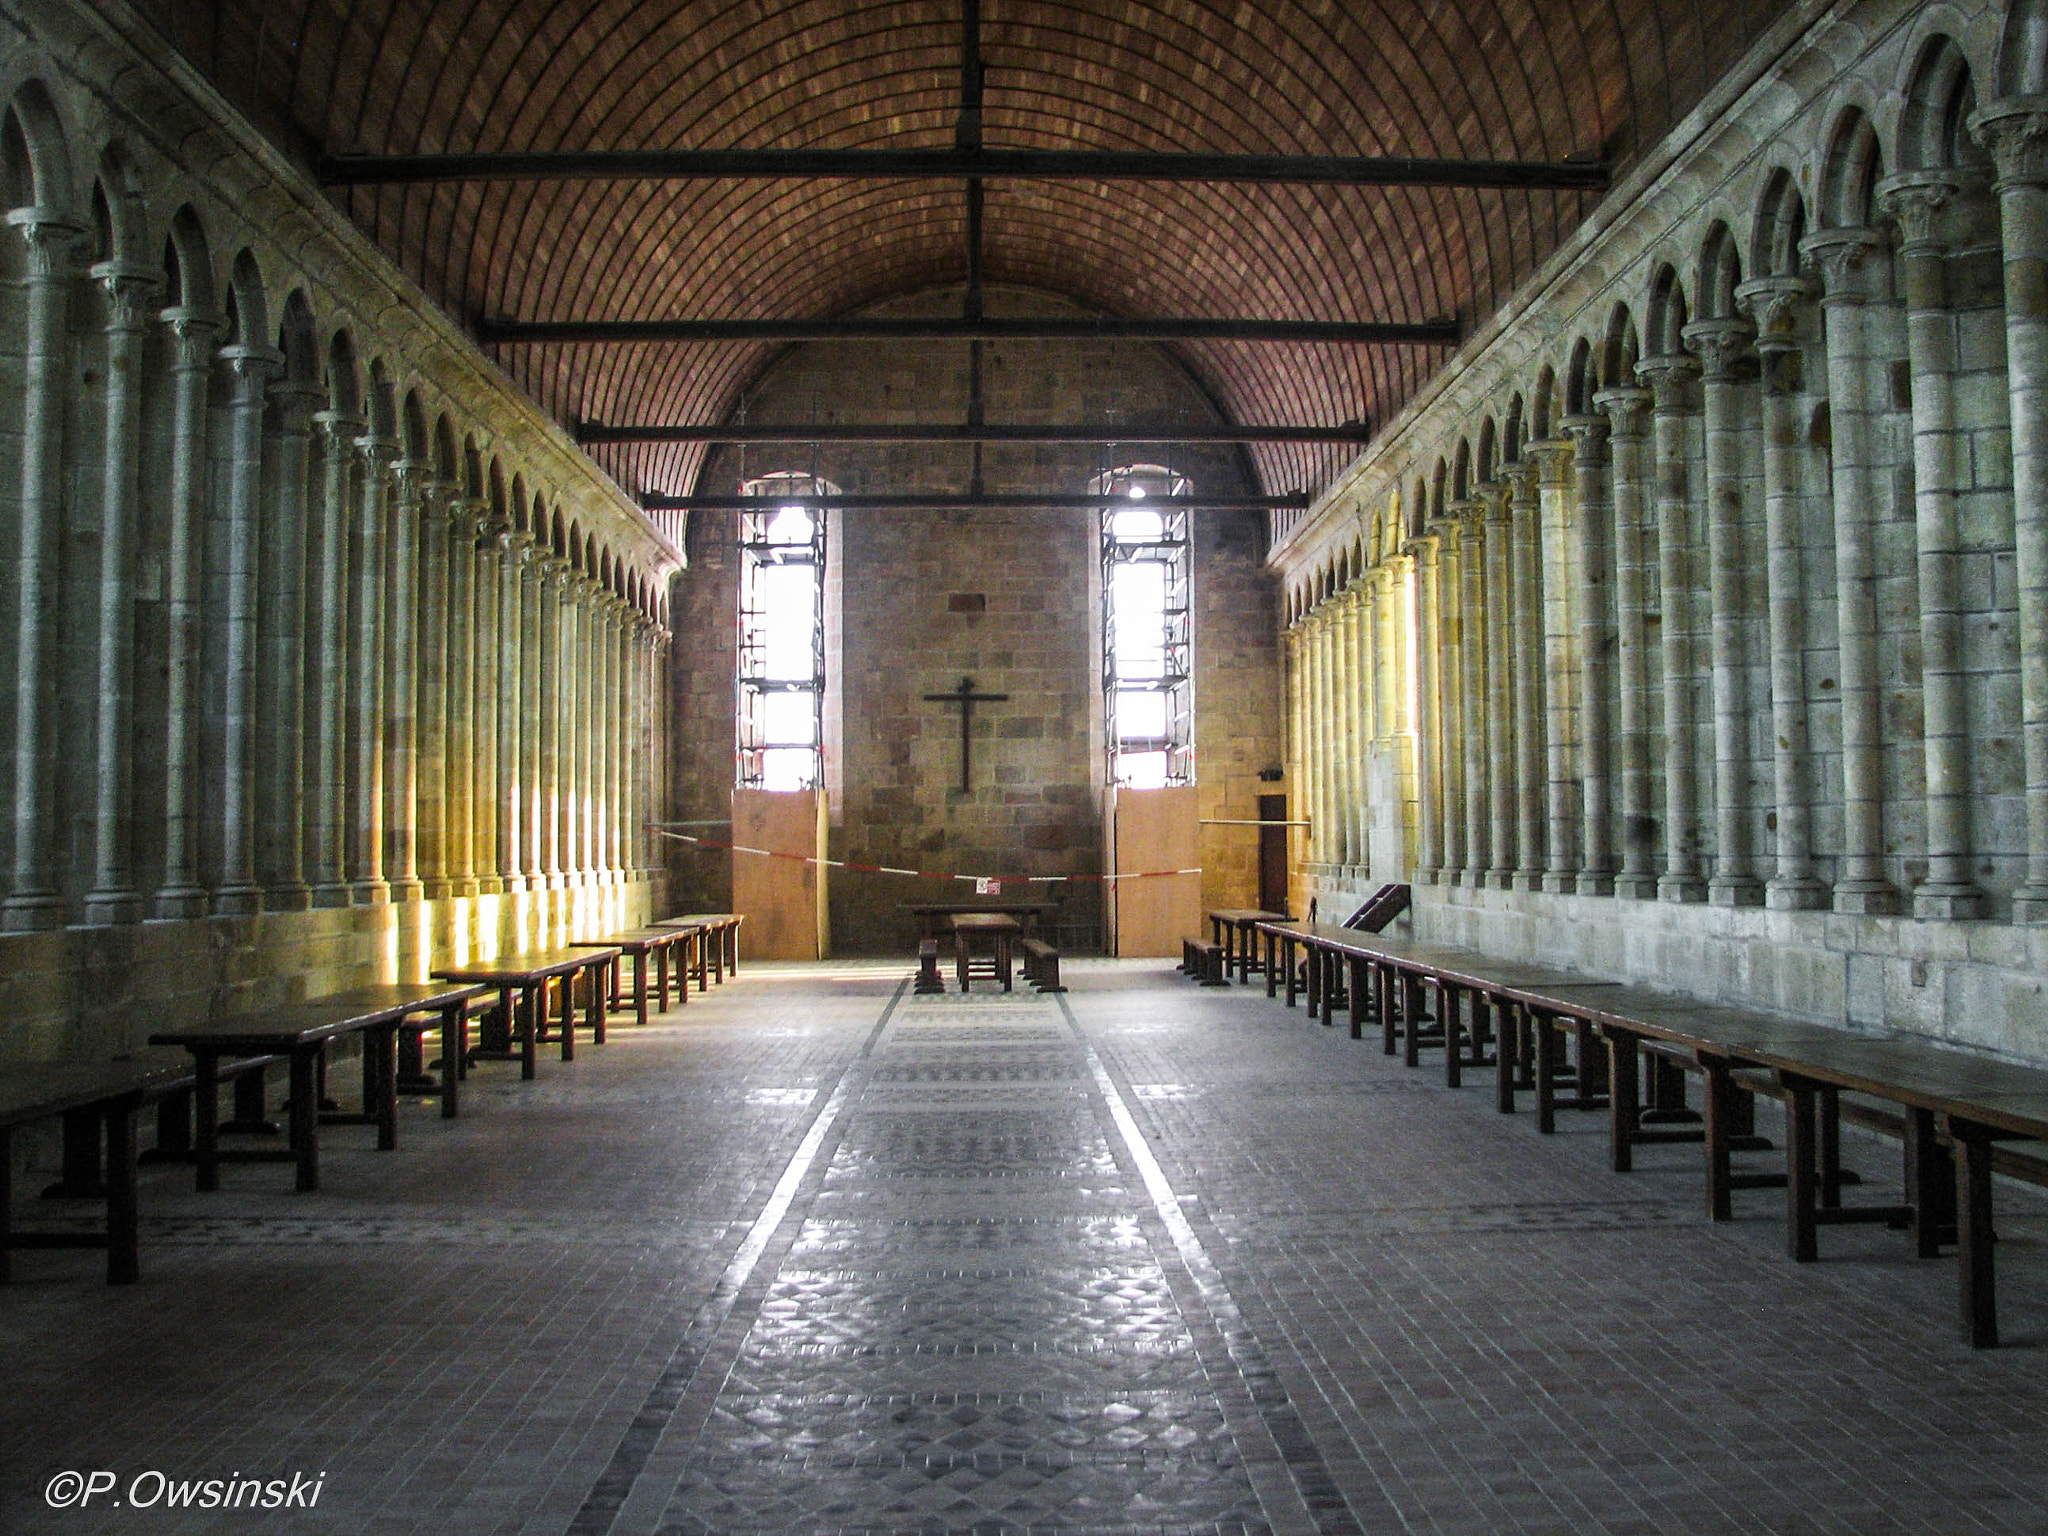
(1350, 691)
(112, 898)
(1924, 203)
(485, 797)
(459, 773)
(1670, 380)
(582, 700)
(1450, 703)
(1428, 748)
(1531, 752)
(1627, 408)
(1296, 768)
(1472, 730)
(281, 690)
(437, 536)
(1553, 458)
(250, 371)
(1845, 257)
(1366, 669)
(1500, 685)
(405, 645)
(553, 606)
(327, 630)
(1774, 304)
(1723, 347)
(181, 895)
(32, 901)
(614, 714)
(2016, 133)
(533, 857)
(1588, 548)
(368, 560)
(1313, 737)
(515, 786)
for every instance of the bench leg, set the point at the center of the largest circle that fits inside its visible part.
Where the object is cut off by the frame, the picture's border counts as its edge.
(1624, 1071)
(206, 1117)
(1976, 1280)
(250, 1117)
(305, 1116)
(123, 1264)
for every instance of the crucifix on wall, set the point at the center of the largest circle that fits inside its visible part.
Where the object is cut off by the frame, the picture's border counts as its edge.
(966, 698)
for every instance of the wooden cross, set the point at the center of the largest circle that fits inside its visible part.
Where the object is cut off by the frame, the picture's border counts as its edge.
(966, 698)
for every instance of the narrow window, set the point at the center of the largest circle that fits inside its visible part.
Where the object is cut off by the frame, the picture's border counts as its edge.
(1145, 613)
(782, 634)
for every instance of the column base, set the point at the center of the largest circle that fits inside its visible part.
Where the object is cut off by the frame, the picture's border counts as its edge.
(1595, 882)
(438, 889)
(490, 885)
(1500, 879)
(1560, 882)
(372, 893)
(1948, 903)
(1866, 898)
(407, 890)
(288, 898)
(108, 909)
(2030, 904)
(329, 895)
(1735, 891)
(1636, 886)
(1528, 880)
(31, 912)
(1803, 895)
(236, 901)
(175, 902)
(1681, 889)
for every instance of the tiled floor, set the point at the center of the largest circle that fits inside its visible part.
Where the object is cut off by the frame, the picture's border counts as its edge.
(817, 1255)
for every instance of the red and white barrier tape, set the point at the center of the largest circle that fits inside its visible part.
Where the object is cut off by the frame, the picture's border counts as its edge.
(983, 884)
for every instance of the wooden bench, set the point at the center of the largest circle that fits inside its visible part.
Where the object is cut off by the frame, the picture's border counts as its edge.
(1202, 959)
(717, 953)
(1041, 965)
(1234, 928)
(641, 944)
(523, 983)
(928, 978)
(999, 932)
(300, 1032)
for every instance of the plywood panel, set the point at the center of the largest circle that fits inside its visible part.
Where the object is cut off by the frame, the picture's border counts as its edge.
(783, 899)
(1156, 829)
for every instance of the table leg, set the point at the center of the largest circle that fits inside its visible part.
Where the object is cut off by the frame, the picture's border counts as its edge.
(1975, 1277)
(382, 1043)
(640, 988)
(1546, 1071)
(532, 999)
(661, 959)
(1267, 944)
(123, 1265)
(1801, 1236)
(1452, 999)
(1392, 991)
(1930, 1185)
(596, 1012)
(454, 1046)
(565, 1013)
(6, 1202)
(305, 1115)
(1359, 974)
(1507, 1050)
(206, 1118)
(1624, 1072)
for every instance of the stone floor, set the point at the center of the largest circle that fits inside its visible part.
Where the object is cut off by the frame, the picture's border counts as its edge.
(817, 1255)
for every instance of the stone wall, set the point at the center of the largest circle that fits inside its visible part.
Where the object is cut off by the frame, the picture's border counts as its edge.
(1711, 580)
(328, 656)
(1031, 578)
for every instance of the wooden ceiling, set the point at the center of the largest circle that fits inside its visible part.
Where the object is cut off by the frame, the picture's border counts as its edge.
(1496, 79)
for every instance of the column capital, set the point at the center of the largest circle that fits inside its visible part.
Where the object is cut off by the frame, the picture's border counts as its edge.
(1844, 259)
(1670, 377)
(1774, 303)
(193, 330)
(1497, 496)
(128, 288)
(1722, 346)
(256, 365)
(1519, 475)
(378, 451)
(339, 431)
(1588, 435)
(1627, 407)
(1921, 202)
(1552, 457)
(49, 237)
(2014, 130)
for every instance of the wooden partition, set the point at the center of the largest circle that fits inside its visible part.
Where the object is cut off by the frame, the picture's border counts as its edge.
(1148, 830)
(783, 899)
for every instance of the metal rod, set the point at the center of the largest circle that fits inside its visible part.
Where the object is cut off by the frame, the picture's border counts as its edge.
(953, 163)
(515, 333)
(590, 433)
(951, 501)
(1228, 821)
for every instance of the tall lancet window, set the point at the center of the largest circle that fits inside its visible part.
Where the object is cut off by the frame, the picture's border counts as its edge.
(1145, 626)
(782, 634)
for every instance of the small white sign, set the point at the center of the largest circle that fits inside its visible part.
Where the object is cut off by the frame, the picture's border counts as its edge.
(987, 887)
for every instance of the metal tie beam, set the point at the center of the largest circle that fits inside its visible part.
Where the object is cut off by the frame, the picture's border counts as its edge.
(947, 502)
(591, 433)
(514, 333)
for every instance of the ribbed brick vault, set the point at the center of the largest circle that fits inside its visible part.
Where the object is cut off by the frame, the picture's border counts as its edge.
(1512, 79)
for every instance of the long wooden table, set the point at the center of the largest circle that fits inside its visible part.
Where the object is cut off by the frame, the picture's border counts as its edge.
(641, 944)
(1950, 1098)
(1235, 929)
(299, 1032)
(717, 940)
(522, 982)
(930, 914)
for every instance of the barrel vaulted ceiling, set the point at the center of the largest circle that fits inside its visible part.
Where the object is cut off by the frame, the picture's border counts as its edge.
(1491, 79)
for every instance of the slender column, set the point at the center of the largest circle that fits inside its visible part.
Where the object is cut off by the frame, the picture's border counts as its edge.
(1315, 738)
(112, 898)
(1428, 749)
(363, 811)
(1500, 685)
(32, 901)
(2016, 133)
(1450, 678)
(328, 632)
(282, 687)
(1670, 380)
(1923, 202)
(553, 648)
(1402, 625)
(515, 787)
(1844, 257)
(612, 719)
(582, 699)
(486, 672)
(1588, 548)
(180, 895)
(533, 809)
(1472, 692)
(1627, 407)
(1344, 646)
(436, 857)
(459, 776)
(1296, 764)
(1553, 458)
(1723, 347)
(1774, 303)
(404, 670)
(1530, 713)
(250, 371)
(1365, 670)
